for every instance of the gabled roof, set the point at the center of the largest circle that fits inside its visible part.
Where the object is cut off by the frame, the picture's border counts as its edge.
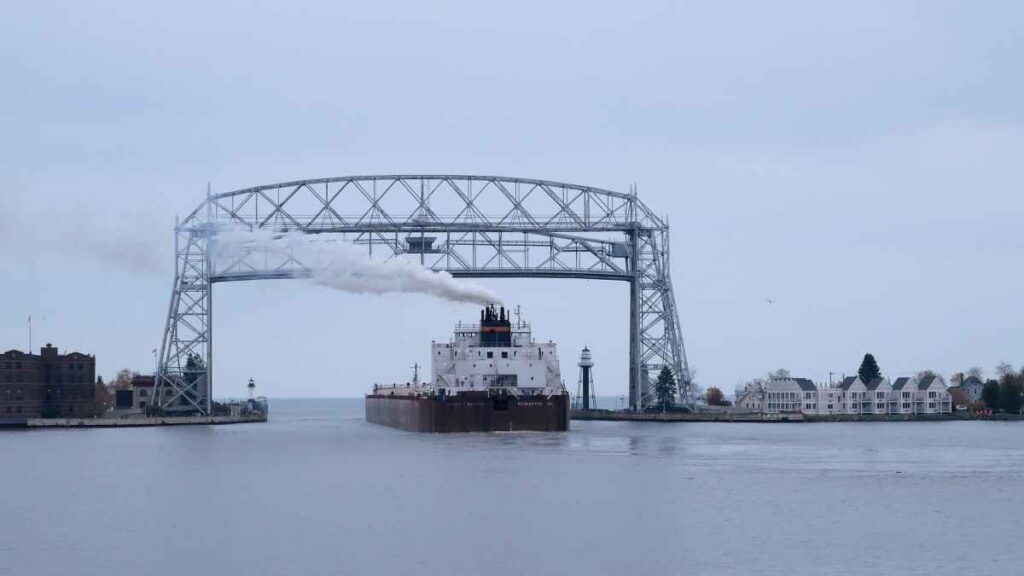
(847, 382)
(875, 383)
(806, 385)
(900, 383)
(972, 380)
(925, 382)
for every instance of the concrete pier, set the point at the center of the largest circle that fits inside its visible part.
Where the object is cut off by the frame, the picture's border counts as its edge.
(130, 422)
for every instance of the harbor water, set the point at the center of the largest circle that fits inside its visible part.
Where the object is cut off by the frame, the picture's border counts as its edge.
(316, 490)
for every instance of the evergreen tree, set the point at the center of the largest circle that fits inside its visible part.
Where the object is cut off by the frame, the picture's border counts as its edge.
(665, 388)
(990, 394)
(869, 369)
(1010, 394)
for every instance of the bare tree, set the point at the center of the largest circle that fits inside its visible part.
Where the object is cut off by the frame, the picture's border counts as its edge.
(1003, 369)
(976, 372)
(780, 374)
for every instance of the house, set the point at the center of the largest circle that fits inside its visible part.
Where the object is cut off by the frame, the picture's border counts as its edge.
(903, 396)
(932, 397)
(750, 398)
(852, 393)
(972, 385)
(876, 397)
(142, 392)
(791, 395)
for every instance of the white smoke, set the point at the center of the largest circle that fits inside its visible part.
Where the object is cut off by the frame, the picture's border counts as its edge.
(343, 266)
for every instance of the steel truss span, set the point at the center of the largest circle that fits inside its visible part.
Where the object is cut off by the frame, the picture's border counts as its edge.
(470, 226)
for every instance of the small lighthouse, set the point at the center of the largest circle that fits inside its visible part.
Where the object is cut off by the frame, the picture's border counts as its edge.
(252, 388)
(586, 390)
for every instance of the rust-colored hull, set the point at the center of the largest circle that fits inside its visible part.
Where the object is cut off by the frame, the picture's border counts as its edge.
(470, 412)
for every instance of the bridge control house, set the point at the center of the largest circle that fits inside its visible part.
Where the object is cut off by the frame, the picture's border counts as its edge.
(47, 385)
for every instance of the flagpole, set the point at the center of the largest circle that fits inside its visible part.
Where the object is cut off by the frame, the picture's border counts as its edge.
(29, 333)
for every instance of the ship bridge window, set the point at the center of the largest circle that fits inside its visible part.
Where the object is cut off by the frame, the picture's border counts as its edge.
(504, 354)
(490, 354)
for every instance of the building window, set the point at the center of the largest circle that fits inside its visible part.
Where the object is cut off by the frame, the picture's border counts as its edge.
(143, 393)
(931, 404)
(490, 354)
(504, 354)
(931, 394)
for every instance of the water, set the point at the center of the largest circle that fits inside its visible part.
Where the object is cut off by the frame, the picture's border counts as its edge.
(318, 491)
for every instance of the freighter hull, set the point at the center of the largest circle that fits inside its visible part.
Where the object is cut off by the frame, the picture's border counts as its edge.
(469, 412)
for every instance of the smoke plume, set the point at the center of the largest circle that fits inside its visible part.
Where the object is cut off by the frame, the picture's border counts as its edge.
(343, 266)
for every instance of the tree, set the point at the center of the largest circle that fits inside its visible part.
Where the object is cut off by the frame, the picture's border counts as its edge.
(990, 394)
(714, 397)
(1003, 369)
(102, 399)
(976, 372)
(869, 369)
(960, 397)
(1010, 390)
(123, 380)
(931, 374)
(665, 388)
(780, 374)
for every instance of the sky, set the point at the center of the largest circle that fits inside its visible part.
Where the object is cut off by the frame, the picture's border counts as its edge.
(859, 165)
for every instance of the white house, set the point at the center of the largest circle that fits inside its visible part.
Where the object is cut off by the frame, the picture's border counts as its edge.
(791, 395)
(904, 396)
(932, 396)
(751, 398)
(876, 399)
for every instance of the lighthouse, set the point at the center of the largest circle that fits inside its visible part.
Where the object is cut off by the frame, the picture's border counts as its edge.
(586, 390)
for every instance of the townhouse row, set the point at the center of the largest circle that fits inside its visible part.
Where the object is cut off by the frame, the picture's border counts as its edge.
(907, 395)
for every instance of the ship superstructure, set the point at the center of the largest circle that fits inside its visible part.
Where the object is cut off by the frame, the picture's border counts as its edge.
(490, 376)
(496, 355)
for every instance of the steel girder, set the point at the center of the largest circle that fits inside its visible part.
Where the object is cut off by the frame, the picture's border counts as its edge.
(470, 226)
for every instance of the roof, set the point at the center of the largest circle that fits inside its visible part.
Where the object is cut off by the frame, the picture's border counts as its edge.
(805, 384)
(925, 382)
(875, 383)
(847, 382)
(900, 383)
(972, 380)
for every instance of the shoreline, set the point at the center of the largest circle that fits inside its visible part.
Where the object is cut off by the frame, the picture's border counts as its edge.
(608, 415)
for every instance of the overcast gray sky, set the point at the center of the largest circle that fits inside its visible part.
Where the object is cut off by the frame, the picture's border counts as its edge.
(860, 165)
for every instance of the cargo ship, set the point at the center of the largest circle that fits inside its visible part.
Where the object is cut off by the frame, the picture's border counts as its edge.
(491, 377)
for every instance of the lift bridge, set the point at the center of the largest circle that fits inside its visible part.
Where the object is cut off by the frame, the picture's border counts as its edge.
(469, 226)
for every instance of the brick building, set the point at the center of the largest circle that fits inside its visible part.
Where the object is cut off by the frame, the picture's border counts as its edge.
(47, 384)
